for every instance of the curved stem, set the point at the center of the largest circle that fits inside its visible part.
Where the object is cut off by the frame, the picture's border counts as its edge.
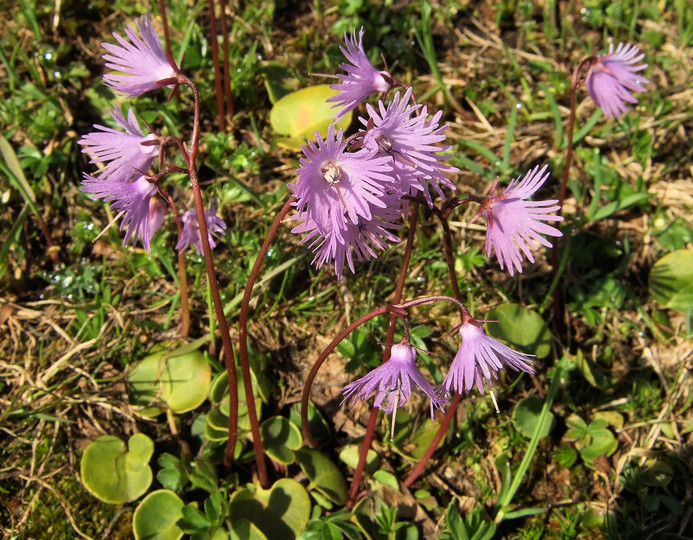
(399, 291)
(395, 311)
(416, 472)
(243, 344)
(229, 358)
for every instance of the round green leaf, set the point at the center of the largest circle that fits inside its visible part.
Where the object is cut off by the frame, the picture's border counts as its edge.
(180, 380)
(156, 516)
(671, 281)
(280, 513)
(280, 438)
(526, 417)
(299, 114)
(521, 328)
(324, 475)
(114, 473)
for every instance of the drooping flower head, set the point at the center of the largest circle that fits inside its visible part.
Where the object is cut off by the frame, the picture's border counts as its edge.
(363, 239)
(480, 358)
(514, 224)
(361, 79)
(142, 61)
(122, 151)
(404, 132)
(191, 229)
(392, 382)
(613, 76)
(133, 200)
(335, 187)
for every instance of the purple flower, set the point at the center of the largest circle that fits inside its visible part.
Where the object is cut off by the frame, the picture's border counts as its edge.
(362, 239)
(191, 229)
(133, 199)
(142, 60)
(361, 78)
(613, 76)
(123, 151)
(392, 382)
(406, 134)
(481, 357)
(335, 187)
(514, 223)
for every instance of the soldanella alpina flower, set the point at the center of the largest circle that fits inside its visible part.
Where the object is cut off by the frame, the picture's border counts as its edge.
(141, 61)
(191, 229)
(361, 79)
(514, 224)
(122, 151)
(613, 76)
(362, 240)
(335, 187)
(480, 358)
(132, 199)
(404, 132)
(393, 382)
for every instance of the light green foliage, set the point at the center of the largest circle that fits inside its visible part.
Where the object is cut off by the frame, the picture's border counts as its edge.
(520, 328)
(156, 516)
(115, 473)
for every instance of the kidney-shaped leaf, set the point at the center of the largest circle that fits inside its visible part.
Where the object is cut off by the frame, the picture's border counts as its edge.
(520, 327)
(671, 280)
(156, 516)
(114, 473)
(324, 475)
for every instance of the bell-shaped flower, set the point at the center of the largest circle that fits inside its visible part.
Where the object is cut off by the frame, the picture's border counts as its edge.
(191, 229)
(613, 76)
(515, 224)
(361, 78)
(393, 382)
(480, 358)
(141, 61)
(132, 199)
(121, 150)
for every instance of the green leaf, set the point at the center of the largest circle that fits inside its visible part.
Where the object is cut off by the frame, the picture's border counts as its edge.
(156, 516)
(114, 473)
(671, 281)
(526, 417)
(299, 114)
(280, 513)
(281, 438)
(179, 379)
(324, 475)
(521, 328)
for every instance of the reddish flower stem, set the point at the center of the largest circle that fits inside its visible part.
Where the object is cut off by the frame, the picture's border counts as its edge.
(243, 344)
(215, 59)
(229, 358)
(225, 44)
(449, 414)
(164, 23)
(399, 291)
(395, 311)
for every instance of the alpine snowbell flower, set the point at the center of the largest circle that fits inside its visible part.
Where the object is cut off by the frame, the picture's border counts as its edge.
(481, 357)
(392, 382)
(362, 239)
(613, 76)
(335, 187)
(133, 200)
(514, 224)
(405, 133)
(191, 229)
(142, 61)
(122, 151)
(361, 79)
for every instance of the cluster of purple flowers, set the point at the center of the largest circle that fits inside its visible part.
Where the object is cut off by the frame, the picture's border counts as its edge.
(127, 153)
(349, 197)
